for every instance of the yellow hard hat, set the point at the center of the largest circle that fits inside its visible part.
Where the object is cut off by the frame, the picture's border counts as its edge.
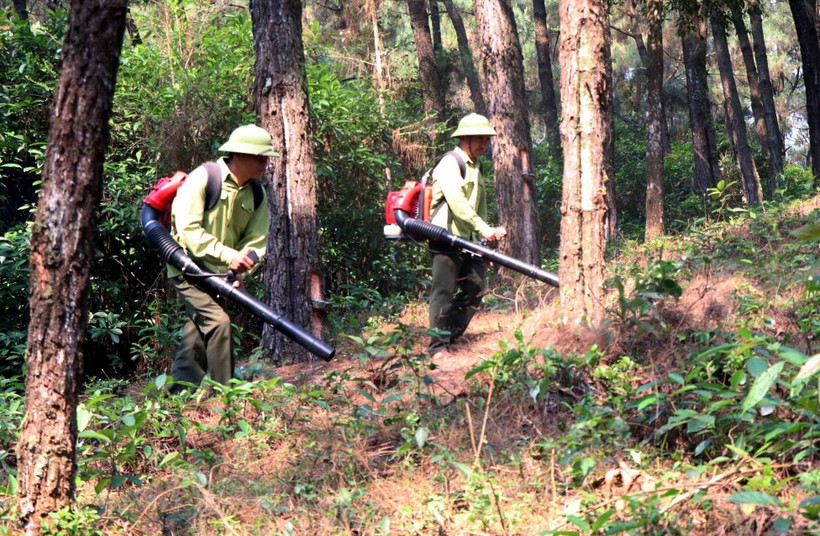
(474, 125)
(249, 139)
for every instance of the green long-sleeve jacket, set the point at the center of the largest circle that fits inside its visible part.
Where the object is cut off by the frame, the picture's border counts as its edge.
(465, 198)
(213, 237)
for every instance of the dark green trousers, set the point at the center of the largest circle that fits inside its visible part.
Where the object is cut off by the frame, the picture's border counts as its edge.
(206, 345)
(456, 292)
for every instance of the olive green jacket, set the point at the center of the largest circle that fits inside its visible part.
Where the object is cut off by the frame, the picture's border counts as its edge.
(465, 198)
(213, 237)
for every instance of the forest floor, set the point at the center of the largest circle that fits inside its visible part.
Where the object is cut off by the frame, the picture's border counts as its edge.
(520, 433)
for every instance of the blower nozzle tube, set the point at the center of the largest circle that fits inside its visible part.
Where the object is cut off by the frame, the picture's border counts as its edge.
(422, 230)
(172, 253)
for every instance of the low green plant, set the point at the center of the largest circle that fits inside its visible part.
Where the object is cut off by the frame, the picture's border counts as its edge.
(724, 196)
(11, 418)
(752, 402)
(243, 412)
(123, 439)
(797, 182)
(639, 291)
(73, 522)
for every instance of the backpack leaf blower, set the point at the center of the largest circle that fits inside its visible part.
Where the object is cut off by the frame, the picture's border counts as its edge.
(417, 229)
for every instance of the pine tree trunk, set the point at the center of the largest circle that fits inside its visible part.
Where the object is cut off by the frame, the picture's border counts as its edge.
(631, 7)
(435, 25)
(635, 18)
(811, 6)
(707, 169)
(611, 219)
(467, 62)
(430, 82)
(378, 68)
(542, 49)
(514, 178)
(755, 96)
(586, 131)
(776, 144)
(735, 122)
(21, 8)
(655, 190)
(293, 278)
(807, 36)
(61, 256)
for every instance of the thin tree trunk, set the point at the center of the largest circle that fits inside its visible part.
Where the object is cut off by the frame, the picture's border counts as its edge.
(810, 54)
(811, 6)
(655, 189)
(734, 114)
(632, 11)
(435, 25)
(611, 219)
(755, 96)
(378, 69)
(542, 49)
(514, 178)
(586, 131)
(133, 31)
(467, 62)
(21, 8)
(293, 278)
(430, 82)
(635, 18)
(707, 169)
(775, 140)
(61, 256)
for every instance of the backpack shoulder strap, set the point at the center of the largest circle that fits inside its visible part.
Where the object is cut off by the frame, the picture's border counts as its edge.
(462, 166)
(258, 193)
(214, 186)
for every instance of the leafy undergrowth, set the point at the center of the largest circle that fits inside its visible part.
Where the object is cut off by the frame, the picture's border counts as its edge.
(692, 410)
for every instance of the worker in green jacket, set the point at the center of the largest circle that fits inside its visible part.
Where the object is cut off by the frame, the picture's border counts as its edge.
(230, 235)
(459, 205)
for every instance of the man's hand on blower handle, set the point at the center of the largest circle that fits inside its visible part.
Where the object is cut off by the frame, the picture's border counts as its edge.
(241, 263)
(495, 234)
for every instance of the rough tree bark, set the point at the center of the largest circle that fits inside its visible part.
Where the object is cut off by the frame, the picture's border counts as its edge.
(735, 121)
(294, 284)
(542, 49)
(504, 76)
(707, 169)
(586, 131)
(776, 143)
(655, 190)
(430, 81)
(467, 62)
(61, 256)
(807, 36)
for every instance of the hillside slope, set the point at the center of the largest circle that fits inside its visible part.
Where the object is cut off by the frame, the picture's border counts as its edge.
(685, 413)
